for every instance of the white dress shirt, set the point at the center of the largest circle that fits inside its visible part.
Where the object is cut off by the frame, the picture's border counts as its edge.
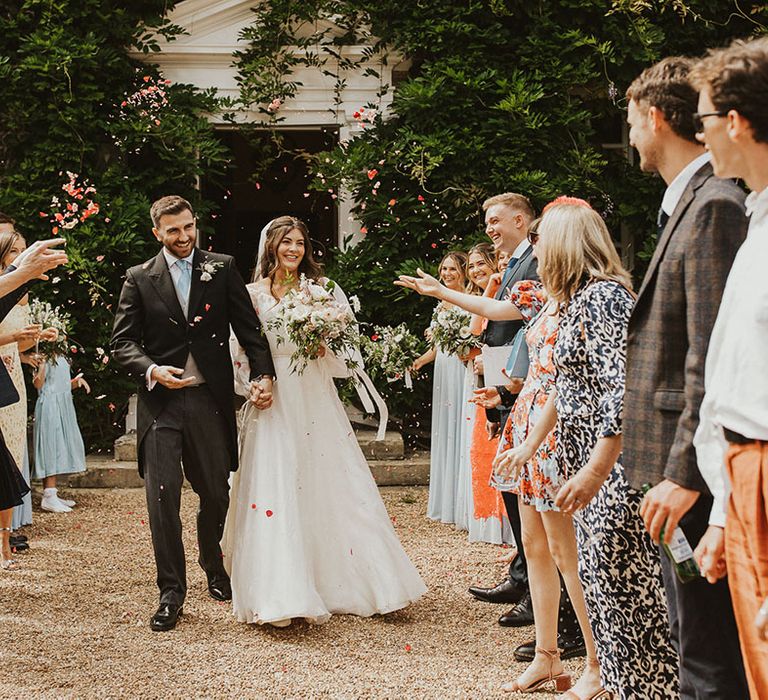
(675, 190)
(735, 377)
(521, 248)
(190, 369)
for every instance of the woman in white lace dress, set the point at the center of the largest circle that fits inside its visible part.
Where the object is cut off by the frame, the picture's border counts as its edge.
(307, 534)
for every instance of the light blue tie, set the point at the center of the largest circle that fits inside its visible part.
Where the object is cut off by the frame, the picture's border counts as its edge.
(185, 279)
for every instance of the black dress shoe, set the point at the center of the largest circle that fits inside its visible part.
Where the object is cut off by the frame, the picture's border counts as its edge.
(19, 546)
(520, 616)
(166, 617)
(17, 539)
(505, 592)
(220, 590)
(570, 646)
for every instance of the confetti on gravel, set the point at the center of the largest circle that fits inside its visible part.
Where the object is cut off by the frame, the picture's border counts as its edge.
(74, 622)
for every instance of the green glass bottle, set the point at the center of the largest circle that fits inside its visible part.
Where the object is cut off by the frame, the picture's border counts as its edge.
(679, 552)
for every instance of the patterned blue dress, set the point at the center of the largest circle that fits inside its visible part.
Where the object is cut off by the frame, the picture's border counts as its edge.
(618, 563)
(59, 445)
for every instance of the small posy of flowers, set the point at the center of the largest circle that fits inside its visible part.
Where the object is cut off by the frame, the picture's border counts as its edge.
(275, 105)
(148, 102)
(449, 331)
(47, 316)
(310, 318)
(208, 269)
(77, 204)
(391, 352)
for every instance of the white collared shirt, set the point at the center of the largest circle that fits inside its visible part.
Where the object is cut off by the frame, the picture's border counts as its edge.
(675, 190)
(735, 377)
(521, 248)
(175, 271)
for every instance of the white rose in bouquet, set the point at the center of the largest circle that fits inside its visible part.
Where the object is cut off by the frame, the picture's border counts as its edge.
(311, 318)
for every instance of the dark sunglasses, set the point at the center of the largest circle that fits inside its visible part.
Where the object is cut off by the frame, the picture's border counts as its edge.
(533, 237)
(698, 119)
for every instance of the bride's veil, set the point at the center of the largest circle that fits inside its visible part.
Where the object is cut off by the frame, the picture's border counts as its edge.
(262, 247)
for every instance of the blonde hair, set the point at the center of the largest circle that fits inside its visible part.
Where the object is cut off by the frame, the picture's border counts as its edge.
(513, 200)
(574, 249)
(485, 251)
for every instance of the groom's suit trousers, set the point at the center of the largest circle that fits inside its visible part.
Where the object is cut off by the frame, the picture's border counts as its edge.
(190, 434)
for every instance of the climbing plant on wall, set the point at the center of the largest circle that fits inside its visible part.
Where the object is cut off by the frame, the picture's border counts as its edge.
(501, 95)
(73, 100)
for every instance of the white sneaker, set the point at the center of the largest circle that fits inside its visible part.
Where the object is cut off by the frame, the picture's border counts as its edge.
(54, 505)
(67, 502)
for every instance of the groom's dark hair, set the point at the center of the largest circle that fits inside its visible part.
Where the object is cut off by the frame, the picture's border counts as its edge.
(172, 204)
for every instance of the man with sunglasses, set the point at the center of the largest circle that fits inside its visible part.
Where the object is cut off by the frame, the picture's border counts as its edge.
(701, 224)
(732, 439)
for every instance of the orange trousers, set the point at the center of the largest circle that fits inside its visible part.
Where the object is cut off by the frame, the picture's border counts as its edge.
(746, 553)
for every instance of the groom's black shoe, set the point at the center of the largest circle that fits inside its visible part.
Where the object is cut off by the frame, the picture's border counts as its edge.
(220, 589)
(520, 616)
(505, 592)
(166, 617)
(571, 646)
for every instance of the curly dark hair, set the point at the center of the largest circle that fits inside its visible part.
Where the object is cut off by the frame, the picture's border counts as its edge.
(737, 78)
(667, 85)
(278, 230)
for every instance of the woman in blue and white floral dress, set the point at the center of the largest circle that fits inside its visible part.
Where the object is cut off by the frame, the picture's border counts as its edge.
(618, 564)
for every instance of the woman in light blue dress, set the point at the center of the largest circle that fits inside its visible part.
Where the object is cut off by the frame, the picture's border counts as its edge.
(447, 401)
(59, 445)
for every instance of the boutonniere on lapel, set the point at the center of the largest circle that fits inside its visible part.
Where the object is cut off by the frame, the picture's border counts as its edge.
(208, 269)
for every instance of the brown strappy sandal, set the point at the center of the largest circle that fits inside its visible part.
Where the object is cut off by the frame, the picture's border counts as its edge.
(562, 680)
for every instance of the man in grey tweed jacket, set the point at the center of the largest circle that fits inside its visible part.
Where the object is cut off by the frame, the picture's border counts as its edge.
(702, 223)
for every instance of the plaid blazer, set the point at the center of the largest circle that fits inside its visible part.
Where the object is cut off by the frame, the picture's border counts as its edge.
(670, 327)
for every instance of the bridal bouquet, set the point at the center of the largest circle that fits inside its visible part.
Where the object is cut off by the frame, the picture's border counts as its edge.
(47, 316)
(449, 331)
(391, 352)
(311, 317)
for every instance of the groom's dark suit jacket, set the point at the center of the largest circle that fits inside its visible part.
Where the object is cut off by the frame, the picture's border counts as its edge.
(150, 328)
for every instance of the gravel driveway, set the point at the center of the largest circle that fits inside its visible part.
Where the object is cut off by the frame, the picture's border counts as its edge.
(74, 622)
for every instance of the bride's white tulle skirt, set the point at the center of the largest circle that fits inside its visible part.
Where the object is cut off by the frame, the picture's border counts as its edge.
(307, 534)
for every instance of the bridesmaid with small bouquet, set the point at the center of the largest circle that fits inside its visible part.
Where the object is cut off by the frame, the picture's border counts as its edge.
(447, 400)
(59, 447)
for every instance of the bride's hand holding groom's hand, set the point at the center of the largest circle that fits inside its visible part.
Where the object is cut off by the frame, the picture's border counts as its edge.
(261, 393)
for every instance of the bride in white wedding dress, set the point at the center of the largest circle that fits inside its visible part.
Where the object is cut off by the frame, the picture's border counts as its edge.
(307, 534)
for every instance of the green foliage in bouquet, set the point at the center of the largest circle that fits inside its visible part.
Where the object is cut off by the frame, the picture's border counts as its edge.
(72, 100)
(389, 352)
(450, 331)
(47, 316)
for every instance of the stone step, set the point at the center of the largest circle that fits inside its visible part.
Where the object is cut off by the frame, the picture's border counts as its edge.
(104, 472)
(391, 447)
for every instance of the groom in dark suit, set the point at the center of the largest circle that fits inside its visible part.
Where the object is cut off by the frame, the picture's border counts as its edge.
(171, 332)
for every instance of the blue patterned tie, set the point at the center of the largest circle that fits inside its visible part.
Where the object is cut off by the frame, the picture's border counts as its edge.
(508, 272)
(185, 279)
